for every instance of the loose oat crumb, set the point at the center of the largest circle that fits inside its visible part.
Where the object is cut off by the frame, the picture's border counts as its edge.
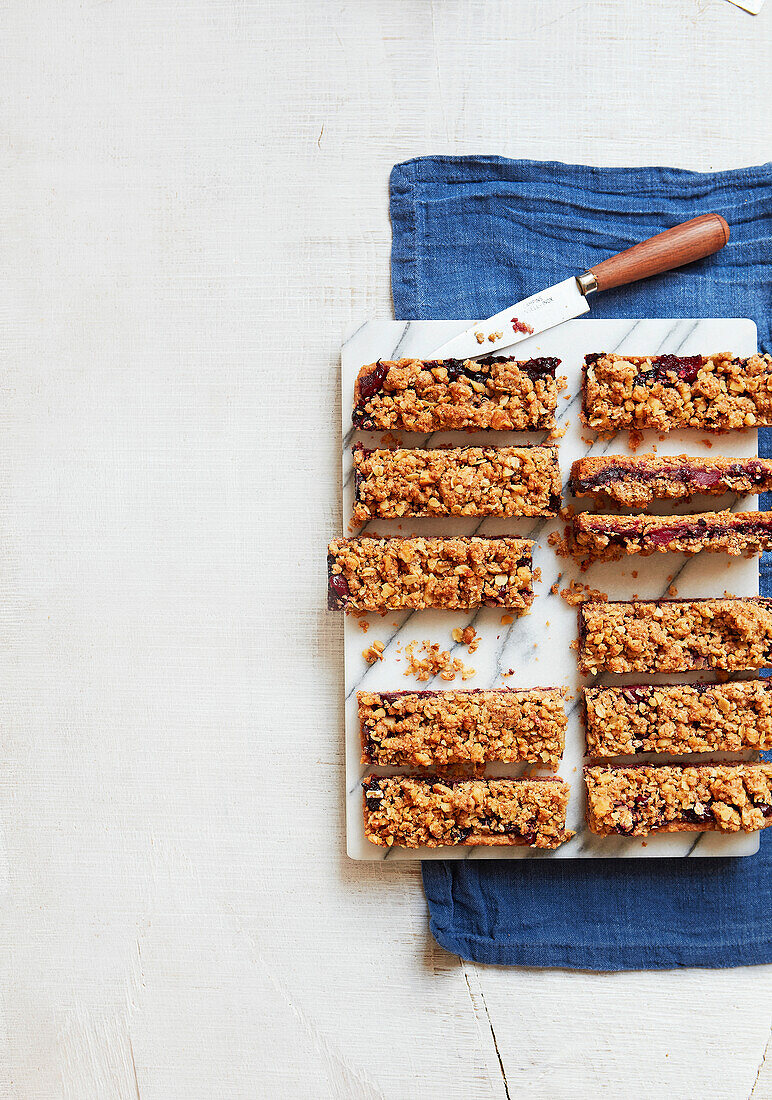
(559, 544)
(363, 625)
(634, 440)
(577, 593)
(558, 433)
(431, 660)
(672, 590)
(479, 337)
(468, 636)
(494, 336)
(373, 653)
(506, 620)
(634, 574)
(390, 440)
(556, 585)
(509, 672)
(567, 512)
(562, 382)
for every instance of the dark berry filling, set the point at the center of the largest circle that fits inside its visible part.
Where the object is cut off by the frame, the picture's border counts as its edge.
(338, 590)
(370, 383)
(670, 369)
(373, 794)
(701, 477)
(700, 529)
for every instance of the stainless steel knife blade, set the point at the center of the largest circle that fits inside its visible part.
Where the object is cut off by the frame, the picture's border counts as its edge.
(527, 318)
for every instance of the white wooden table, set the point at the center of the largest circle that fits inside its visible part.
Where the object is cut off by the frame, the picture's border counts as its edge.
(194, 208)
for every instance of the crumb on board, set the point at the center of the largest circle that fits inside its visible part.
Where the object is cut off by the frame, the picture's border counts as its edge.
(562, 382)
(431, 660)
(363, 625)
(634, 440)
(494, 336)
(672, 590)
(558, 433)
(634, 574)
(577, 593)
(373, 653)
(507, 620)
(567, 512)
(708, 443)
(467, 636)
(390, 441)
(509, 672)
(559, 544)
(479, 337)
(556, 585)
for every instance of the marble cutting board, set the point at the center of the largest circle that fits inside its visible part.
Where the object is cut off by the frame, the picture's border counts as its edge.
(536, 646)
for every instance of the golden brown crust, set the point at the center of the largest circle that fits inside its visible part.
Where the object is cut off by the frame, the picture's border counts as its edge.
(459, 481)
(648, 798)
(418, 395)
(731, 634)
(634, 482)
(431, 812)
(593, 537)
(714, 393)
(432, 729)
(678, 718)
(375, 574)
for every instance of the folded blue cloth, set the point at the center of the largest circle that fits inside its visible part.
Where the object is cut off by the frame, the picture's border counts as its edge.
(472, 235)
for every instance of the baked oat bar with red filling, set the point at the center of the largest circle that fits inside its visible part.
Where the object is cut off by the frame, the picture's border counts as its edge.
(669, 798)
(592, 537)
(430, 395)
(459, 481)
(636, 482)
(410, 812)
(434, 729)
(714, 393)
(732, 634)
(678, 718)
(453, 574)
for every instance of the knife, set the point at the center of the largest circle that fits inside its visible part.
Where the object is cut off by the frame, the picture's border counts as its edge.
(675, 247)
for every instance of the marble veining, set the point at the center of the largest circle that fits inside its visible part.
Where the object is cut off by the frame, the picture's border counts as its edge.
(537, 646)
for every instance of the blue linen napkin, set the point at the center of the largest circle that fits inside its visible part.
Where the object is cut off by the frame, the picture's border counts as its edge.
(472, 235)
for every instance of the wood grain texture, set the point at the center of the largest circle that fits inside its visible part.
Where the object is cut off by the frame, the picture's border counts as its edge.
(194, 209)
(682, 244)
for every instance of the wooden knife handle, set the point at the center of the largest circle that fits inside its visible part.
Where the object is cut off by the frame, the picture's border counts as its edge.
(675, 247)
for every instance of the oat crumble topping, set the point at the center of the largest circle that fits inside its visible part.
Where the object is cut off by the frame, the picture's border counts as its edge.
(462, 481)
(433, 395)
(427, 729)
(679, 718)
(649, 798)
(715, 393)
(378, 574)
(675, 635)
(411, 812)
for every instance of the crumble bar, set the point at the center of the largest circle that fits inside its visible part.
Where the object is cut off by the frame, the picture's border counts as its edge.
(715, 393)
(426, 729)
(432, 395)
(732, 634)
(592, 537)
(411, 812)
(670, 798)
(454, 574)
(462, 481)
(678, 718)
(636, 482)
